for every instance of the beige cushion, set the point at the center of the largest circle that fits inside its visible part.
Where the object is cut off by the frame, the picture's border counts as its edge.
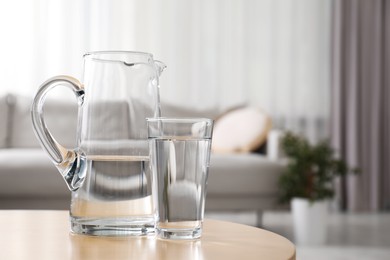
(240, 130)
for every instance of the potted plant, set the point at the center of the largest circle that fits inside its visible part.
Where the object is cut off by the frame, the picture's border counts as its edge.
(307, 183)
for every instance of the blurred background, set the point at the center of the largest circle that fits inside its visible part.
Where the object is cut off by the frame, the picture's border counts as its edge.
(318, 68)
(220, 54)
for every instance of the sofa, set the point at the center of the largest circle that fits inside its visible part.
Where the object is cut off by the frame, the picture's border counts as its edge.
(28, 180)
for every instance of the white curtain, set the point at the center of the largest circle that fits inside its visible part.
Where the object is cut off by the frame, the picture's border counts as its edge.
(220, 53)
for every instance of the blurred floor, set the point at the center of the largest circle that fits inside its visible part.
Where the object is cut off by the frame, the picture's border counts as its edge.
(351, 236)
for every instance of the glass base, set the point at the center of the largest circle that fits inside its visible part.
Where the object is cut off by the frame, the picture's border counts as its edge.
(113, 226)
(179, 234)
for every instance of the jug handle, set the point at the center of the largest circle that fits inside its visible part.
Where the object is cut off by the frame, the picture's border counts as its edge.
(70, 163)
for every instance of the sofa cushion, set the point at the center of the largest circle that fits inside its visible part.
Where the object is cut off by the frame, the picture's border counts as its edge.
(107, 121)
(241, 130)
(28, 173)
(60, 117)
(243, 175)
(169, 110)
(4, 118)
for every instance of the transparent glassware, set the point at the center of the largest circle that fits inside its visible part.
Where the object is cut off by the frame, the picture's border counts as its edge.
(180, 156)
(108, 172)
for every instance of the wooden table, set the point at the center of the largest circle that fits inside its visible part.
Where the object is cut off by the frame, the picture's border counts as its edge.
(45, 235)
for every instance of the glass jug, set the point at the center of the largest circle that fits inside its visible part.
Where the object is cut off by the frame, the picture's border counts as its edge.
(108, 173)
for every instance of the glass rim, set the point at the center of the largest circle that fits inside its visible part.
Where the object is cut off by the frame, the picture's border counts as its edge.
(94, 55)
(180, 119)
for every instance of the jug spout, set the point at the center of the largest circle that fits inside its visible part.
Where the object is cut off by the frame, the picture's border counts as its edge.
(160, 66)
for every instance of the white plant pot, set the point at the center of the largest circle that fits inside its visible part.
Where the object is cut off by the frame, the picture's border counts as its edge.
(309, 221)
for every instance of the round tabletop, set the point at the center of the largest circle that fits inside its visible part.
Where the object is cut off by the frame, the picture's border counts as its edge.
(27, 234)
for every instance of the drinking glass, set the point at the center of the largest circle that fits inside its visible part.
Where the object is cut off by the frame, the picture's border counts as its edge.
(180, 155)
